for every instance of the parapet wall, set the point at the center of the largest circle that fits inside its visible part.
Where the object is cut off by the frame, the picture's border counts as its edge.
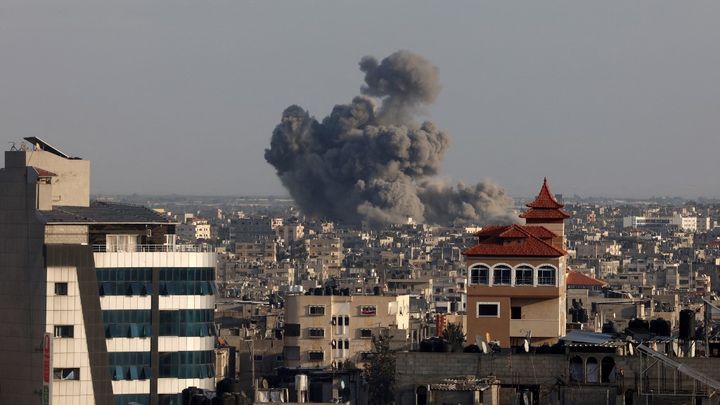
(549, 371)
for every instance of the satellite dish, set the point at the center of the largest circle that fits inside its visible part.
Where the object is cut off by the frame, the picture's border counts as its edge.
(265, 384)
(484, 347)
(526, 346)
(631, 351)
(478, 341)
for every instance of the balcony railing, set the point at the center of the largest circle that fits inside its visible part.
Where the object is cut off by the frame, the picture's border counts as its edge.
(152, 248)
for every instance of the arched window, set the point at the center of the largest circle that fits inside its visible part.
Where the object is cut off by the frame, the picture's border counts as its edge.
(592, 370)
(546, 275)
(502, 275)
(479, 274)
(607, 370)
(524, 275)
(577, 370)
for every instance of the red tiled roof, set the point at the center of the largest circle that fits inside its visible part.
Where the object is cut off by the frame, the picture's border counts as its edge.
(541, 232)
(545, 206)
(576, 278)
(545, 199)
(515, 240)
(533, 213)
(44, 173)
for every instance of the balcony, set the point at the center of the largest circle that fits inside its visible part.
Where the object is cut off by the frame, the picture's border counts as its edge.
(152, 248)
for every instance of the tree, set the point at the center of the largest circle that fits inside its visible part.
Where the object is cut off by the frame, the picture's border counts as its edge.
(455, 337)
(379, 371)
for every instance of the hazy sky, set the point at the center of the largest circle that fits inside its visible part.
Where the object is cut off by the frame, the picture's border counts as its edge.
(614, 98)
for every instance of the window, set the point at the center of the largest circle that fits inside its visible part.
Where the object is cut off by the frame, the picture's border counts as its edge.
(365, 333)
(131, 323)
(316, 356)
(66, 374)
(316, 310)
(523, 275)
(192, 364)
(292, 329)
(121, 243)
(515, 312)
(316, 332)
(258, 357)
(488, 309)
(546, 275)
(64, 331)
(291, 352)
(61, 288)
(129, 365)
(479, 274)
(502, 275)
(368, 310)
(347, 320)
(187, 322)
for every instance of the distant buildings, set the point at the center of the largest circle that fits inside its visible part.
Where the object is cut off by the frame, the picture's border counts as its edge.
(690, 224)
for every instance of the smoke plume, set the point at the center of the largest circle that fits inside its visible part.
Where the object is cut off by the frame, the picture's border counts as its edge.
(369, 162)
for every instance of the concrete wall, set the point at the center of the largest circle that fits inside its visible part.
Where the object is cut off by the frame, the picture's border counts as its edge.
(71, 186)
(23, 287)
(549, 371)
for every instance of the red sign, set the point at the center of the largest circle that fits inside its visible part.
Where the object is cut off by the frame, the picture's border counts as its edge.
(47, 353)
(47, 369)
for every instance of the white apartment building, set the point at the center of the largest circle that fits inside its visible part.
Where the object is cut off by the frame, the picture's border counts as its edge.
(122, 314)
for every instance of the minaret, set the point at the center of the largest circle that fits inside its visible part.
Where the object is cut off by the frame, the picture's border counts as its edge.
(546, 211)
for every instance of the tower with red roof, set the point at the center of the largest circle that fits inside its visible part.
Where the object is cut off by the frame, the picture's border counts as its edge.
(516, 277)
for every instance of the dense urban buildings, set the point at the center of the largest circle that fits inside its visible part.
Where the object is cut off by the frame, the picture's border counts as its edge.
(588, 300)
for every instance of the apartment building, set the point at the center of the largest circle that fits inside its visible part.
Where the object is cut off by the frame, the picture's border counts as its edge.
(327, 330)
(328, 251)
(100, 305)
(264, 251)
(194, 229)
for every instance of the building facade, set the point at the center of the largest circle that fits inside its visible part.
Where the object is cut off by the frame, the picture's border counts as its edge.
(328, 330)
(123, 313)
(516, 278)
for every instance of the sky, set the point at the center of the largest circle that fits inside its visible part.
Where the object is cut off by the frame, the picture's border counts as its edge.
(612, 98)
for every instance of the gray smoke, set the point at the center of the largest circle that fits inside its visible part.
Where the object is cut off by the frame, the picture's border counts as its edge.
(373, 163)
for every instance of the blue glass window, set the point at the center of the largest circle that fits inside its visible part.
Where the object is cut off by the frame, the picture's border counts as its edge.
(130, 365)
(127, 323)
(124, 281)
(187, 281)
(187, 364)
(187, 322)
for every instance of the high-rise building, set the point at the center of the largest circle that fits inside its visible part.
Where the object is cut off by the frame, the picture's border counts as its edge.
(100, 306)
(516, 277)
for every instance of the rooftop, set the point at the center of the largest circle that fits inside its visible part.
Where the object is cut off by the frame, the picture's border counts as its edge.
(100, 212)
(515, 240)
(577, 278)
(545, 206)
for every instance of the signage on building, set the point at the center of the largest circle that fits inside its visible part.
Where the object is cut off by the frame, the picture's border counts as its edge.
(47, 369)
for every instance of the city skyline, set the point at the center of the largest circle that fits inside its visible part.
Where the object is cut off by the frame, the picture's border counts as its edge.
(605, 100)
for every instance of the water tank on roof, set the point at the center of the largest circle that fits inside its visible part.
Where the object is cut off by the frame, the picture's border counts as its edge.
(301, 382)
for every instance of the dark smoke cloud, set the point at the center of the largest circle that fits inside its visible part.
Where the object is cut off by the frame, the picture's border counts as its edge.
(372, 163)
